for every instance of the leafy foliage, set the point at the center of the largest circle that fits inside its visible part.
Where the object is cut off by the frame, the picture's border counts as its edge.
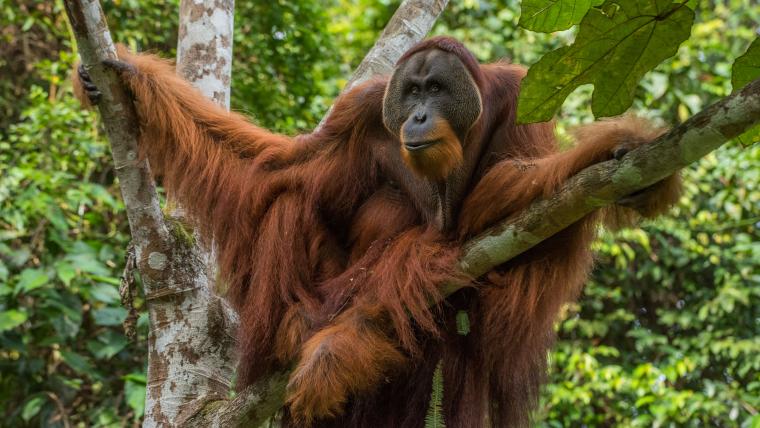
(62, 234)
(616, 44)
(667, 330)
(283, 59)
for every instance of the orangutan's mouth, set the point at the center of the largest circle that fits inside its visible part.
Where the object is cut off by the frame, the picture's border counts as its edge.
(419, 145)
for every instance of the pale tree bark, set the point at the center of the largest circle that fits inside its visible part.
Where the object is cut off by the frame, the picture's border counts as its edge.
(163, 271)
(204, 48)
(191, 330)
(191, 354)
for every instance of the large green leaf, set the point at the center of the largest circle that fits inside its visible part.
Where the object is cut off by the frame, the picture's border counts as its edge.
(616, 45)
(553, 15)
(746, 67)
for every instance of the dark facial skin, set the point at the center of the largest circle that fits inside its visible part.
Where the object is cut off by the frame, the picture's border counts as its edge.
(435, 83)
(430, 88)
(431, 103)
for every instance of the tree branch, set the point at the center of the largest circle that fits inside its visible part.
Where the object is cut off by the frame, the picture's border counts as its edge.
(120, 121)
(604, 183)
(409, 24)
(190, 343)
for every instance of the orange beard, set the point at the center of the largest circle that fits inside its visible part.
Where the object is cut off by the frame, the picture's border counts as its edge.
(437, 161)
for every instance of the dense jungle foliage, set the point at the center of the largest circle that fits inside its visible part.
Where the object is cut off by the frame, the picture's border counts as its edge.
(666, 334)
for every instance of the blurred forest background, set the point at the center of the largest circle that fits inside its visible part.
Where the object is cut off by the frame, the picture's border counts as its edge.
(667, 333)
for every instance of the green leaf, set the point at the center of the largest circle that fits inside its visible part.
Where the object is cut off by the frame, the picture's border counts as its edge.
(747, 67)
(750, 136)
(754, 421)
(105, 293)
(65, 272)
(77, 362)
(32, 408)
(134, 392)
(109, 316)
(434, 416)
(463, 323)
(67, 317)
(84, 258)
(135, 377)
(612, 52)
(553, 15)
(27, 24)
(31, 279)
(107, 279)
(11, 319)
(107, 345)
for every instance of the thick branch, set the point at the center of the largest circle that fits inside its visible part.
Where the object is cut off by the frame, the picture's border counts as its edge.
(190, 341)
(120, 120)
(605, 183)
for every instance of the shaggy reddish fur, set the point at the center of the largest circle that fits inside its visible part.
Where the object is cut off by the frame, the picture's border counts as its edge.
(332, 261)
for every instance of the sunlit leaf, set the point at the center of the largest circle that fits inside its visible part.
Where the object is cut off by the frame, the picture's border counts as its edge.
(65, 272)
(553, 15)
(32, 408)
(11, 319)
